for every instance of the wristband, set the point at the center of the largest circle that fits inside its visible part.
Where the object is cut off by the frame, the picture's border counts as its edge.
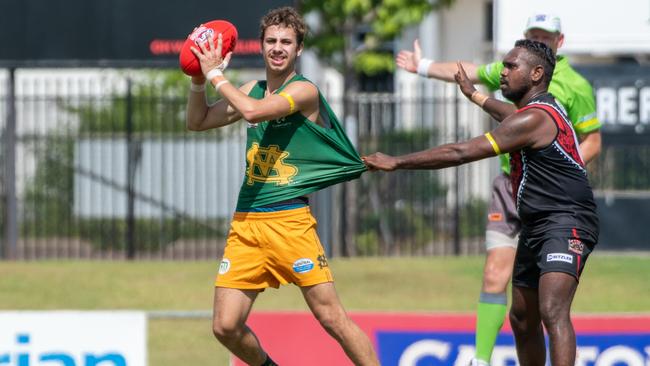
(197, 88)
(423, 67)
(213, 74)
(220, 84)
(478, 98)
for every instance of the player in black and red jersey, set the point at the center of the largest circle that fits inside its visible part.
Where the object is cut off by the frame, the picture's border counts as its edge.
(552, 192)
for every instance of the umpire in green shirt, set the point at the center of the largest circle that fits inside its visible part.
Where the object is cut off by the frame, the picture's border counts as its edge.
(576, 95)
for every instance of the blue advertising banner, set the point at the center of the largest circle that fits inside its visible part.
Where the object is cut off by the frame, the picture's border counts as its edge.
(402, 348)
(438, 348)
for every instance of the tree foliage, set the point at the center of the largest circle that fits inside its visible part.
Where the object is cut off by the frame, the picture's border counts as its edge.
(375, 22)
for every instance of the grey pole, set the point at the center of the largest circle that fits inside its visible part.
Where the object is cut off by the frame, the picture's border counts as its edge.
(10, 205)
(457, 179)
(131, 166)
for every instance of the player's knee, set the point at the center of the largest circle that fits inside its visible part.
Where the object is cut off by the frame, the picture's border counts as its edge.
(495, 280)
(224, 330)
(332, 321)
(553, 312)
(517, 319)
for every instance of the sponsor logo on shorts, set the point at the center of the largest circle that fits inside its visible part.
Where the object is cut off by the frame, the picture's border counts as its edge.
(322, 261)
(576, 246)
(224, 267)
(559, 257)
(303, 265)
(495, 217)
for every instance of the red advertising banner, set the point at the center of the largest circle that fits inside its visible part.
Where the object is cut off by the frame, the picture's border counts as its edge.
(405, 339)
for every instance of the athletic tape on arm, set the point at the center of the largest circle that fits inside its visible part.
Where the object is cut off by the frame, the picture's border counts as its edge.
(289, 98)
(478, 98)
(493, 143)
(220, 84)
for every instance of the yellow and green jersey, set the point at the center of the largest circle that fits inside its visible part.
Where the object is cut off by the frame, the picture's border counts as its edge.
(567, 86)
(293, 156)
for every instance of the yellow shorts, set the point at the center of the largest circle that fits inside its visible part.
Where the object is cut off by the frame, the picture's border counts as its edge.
(266, 249)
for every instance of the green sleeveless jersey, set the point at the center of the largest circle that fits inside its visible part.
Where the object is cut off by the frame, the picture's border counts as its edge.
(293, 156)
(567, 86)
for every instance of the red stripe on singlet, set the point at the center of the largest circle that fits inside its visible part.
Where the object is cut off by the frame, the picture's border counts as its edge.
(561, 124)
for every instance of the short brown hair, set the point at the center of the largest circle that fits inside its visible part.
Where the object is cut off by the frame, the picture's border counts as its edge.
(286, 17)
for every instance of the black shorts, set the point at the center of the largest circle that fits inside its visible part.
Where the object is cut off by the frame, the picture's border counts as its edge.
(559, 250)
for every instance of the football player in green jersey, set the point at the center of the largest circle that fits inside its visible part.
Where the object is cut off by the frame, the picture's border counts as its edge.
(576, 95)
(295, 146)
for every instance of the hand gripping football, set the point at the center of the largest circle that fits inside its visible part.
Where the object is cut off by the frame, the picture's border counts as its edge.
(188, 61)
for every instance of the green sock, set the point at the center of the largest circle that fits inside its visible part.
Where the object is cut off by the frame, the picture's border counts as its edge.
(490, 316)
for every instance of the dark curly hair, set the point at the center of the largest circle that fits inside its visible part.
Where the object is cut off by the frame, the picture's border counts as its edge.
(286, 17)
(542, 53)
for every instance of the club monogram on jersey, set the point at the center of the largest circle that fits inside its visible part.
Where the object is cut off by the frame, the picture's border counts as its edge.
(266, 165)
(292, 156)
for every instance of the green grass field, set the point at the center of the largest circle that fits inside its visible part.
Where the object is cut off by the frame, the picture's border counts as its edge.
(609, 284)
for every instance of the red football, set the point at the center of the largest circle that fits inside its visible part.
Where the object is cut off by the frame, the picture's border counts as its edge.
(189, 62)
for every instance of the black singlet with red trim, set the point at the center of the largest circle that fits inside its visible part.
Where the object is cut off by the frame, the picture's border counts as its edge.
(550, 184)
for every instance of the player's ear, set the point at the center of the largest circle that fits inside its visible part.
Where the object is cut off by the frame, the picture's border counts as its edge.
(300, 48)
(537, 74)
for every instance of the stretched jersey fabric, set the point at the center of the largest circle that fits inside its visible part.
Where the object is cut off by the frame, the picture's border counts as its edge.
(550, 185)
(293, 156)
(569, 88)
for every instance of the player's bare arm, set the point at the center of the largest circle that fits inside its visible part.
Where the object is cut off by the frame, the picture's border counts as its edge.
(410, 60)
(298, 96)
(497, 109)
(525, 129)
(201, 116)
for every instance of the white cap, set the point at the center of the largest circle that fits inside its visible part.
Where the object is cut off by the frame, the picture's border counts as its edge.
(548, 22)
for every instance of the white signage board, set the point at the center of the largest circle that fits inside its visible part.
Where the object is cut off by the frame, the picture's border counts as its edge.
(73, 338)
(200, 179)
(594, 27)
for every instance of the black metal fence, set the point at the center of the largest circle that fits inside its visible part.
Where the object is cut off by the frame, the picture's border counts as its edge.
(103, 167)
(621, 176)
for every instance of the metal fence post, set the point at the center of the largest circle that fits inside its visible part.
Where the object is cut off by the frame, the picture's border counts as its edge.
(10, 204)
(130, 167)
(456, 180)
